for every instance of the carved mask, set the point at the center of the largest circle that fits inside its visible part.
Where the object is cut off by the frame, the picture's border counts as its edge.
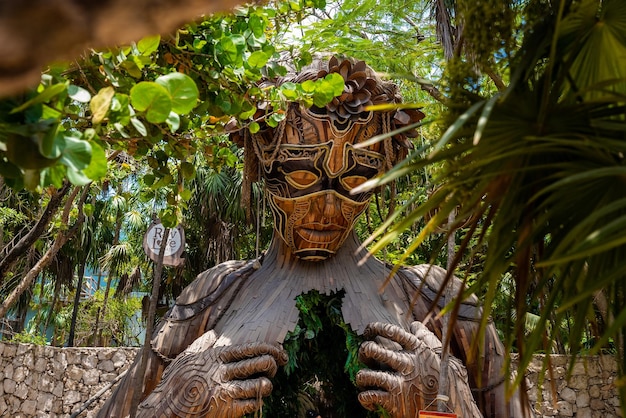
(310, 179)
(310, 163)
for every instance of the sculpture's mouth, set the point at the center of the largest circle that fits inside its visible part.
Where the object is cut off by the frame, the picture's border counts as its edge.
(320, 234)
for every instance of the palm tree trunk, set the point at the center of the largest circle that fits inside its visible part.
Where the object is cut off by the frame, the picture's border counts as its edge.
(9, 256)
(55, 298)
(102, 313)
(62, 237)
(79, 288)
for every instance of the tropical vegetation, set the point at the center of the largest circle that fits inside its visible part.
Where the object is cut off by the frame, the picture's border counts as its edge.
(515, 182)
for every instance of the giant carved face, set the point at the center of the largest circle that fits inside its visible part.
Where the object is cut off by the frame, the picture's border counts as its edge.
(309, 187)
(311, 165)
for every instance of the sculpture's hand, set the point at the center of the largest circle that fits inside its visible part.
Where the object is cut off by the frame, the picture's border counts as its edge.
(217, 382)
(403, 370)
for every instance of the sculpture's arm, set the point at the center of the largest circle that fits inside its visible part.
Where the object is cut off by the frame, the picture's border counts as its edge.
(213, 382)
(403, 373)
(195, 313)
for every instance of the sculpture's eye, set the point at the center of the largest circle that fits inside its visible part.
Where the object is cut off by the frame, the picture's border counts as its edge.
(350, 182)
(301, 179)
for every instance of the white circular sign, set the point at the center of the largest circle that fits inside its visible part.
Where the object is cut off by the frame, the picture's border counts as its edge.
(154, 239)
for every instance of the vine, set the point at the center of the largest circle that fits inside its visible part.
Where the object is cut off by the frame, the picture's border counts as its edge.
(320, 373)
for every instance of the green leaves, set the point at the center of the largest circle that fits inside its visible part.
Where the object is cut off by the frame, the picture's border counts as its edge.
(182, 90)
(100, 103)
(258, 59)
(174, 92)
(153, 99)
(148, 45)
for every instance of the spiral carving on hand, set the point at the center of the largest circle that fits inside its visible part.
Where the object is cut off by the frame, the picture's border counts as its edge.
(430, 384)
(192, 395)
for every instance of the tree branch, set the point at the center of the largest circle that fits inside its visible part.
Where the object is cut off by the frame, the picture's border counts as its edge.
(62, 237)
(9, 256)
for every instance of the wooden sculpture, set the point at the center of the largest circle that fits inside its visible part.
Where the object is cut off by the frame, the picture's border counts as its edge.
(216, 351)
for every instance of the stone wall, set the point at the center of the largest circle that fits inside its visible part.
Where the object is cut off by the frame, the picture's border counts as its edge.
(38, 381)
(590, 392)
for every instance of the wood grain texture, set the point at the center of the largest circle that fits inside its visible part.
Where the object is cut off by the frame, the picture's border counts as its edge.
(260, 307)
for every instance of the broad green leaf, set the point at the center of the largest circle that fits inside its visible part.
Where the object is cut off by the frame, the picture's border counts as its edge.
(132, 68)
(97, 167)
(54, 175)
(100, 103)
(229, 49)
(78, 93)
(47, 94)
(289, 90)
(168, 217)
(24, 152)
(149, 44)
(246, 114)
(48, 112)
(77, 177)
(258, 59)
(173, 121)
(256, 24)
(185, 194)
(152, 98)
(232, 49)
(254, 127)
(336, 83)
(120, 109)
(76, 153)
(308, 86)
(164, 181)
(139, 126)
(188, 170)
(148, 179)
(46, 143)
(182, 89)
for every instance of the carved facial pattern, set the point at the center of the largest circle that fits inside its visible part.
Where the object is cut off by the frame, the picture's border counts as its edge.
(309, 185)
(310, 163)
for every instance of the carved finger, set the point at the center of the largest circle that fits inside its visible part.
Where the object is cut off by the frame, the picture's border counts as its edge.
(425, 335)
(245, 351)
(372, 353)
(392, 332)
(241, 390)
(378, 380)
(373, 399)
(264, 365)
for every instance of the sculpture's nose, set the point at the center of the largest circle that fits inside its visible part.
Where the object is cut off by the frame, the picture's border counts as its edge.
(329, 205)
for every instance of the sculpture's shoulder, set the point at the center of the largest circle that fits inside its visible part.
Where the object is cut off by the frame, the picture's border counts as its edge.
(208, 287)
(428, 279)
(208, 281)
(199, 306)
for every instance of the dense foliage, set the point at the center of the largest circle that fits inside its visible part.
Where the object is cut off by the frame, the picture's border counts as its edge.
(525, 158)
(536, 171)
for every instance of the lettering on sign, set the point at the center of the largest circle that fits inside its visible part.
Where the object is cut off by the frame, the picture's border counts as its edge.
(174, 247)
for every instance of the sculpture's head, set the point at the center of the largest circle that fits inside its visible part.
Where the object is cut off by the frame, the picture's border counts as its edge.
(310, 163)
